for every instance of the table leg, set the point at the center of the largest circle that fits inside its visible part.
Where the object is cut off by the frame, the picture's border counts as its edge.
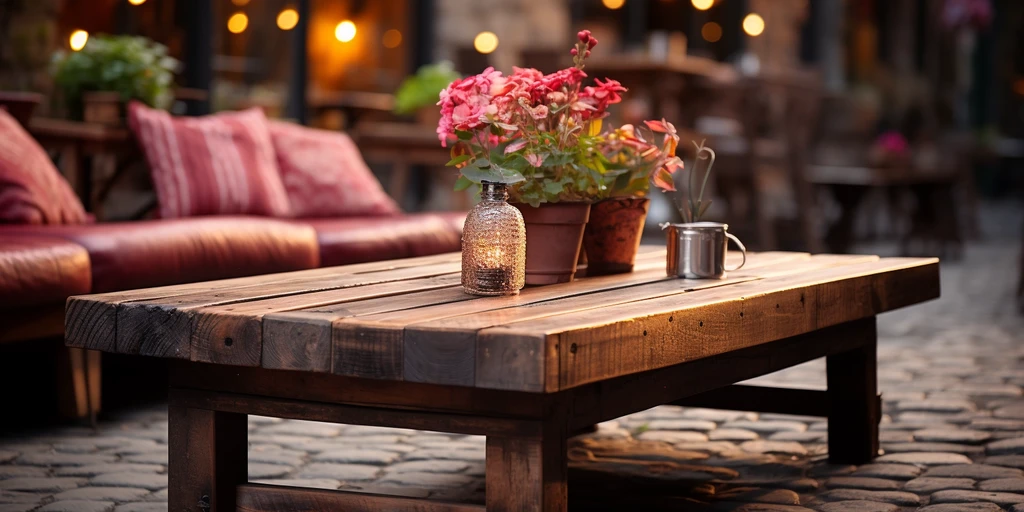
(208, 451)
(527, 474)
(854, 409)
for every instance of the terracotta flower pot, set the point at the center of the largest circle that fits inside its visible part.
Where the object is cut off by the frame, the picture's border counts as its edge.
(103, 107)
(554, 235)
(613, 234)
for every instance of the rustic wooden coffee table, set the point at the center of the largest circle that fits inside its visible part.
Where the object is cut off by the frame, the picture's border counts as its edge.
(399, 344)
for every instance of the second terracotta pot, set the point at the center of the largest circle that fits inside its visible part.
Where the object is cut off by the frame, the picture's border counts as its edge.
(554, 235)
(613, 234)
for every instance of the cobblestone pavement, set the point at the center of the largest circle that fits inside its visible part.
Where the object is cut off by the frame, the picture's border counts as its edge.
(950, 371)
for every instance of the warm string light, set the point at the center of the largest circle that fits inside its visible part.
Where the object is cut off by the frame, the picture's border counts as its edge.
(287, 19)
(345, 31)
(136, 2)
(613, 4)
(702, 5)
(238, 22)
(78, 39)
(753, 24)
(485, 42)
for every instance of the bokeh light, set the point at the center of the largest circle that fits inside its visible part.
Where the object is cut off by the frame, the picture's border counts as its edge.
(753, 24)
(702, 5)
(485, 42)
(345, 31)
(287, 19)
(613, 4)
(136, 2)
(238, 22)
(78, 39)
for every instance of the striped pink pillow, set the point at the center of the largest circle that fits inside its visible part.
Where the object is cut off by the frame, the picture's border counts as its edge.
(211, 165)
(325, 175)
(32, 191)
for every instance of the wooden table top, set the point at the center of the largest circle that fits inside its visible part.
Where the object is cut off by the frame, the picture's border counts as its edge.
(410, 320)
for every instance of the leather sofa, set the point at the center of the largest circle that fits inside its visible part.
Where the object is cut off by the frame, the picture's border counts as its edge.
(42, 265)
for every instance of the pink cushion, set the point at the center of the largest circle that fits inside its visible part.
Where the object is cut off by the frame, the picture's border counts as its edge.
(325, 175)
(32, 191)
(219, 164)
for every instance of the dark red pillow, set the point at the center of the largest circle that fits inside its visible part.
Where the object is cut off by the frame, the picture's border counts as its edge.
(32, 191)
(211, 165)
(325, 174)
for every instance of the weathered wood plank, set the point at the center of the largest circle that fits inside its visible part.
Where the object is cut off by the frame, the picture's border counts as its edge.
(527, 474)
(467, 423)
(601, 343)
(90, 319)
(163, 327)
(279, 498)
(853, 411)
(516, 362)
(375, 358)
(326, 387)
(242, 322)
(207, 458)
(363, 343)
(613, 398)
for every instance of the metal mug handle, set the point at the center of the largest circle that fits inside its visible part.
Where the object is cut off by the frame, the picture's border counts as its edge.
(743, 250)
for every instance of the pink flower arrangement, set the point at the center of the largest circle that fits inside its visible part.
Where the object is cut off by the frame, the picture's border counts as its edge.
(529, 129)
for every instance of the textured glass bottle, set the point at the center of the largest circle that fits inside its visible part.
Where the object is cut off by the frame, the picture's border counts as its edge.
(493, 245)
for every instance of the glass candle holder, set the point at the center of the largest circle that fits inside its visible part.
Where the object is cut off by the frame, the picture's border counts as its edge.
(493, 245)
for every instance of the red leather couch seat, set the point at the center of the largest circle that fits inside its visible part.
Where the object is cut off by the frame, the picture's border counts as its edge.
(141, 254)
(360, 239)
(37, 270)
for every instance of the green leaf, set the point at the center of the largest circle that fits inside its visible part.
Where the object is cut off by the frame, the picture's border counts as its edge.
(462, 183)
(463, 134)
(554, 160)
(457, 160)
(553, 188)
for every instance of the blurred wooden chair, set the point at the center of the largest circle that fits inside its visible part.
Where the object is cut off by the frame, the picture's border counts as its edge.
(761, 129)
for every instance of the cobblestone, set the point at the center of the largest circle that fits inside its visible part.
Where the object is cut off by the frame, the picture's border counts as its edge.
(928, 484)
(903, 499)
(1003, 485)
(1013, 446)
(858, 506)
(78, 506)
(975, 471)
(859, 482)
(925, 458)
(950, 371)
(1002, 499)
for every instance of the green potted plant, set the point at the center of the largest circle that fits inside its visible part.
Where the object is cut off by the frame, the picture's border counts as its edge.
(417, 94)
(539, 134)
(111, 70)
(631, 158)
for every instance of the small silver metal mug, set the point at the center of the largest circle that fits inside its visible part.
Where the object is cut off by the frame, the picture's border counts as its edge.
(697, 250)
